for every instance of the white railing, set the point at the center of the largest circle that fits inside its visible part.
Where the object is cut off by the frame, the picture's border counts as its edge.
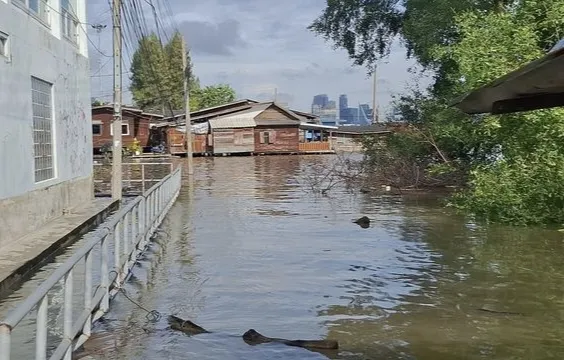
(143, 180)
(125, 236)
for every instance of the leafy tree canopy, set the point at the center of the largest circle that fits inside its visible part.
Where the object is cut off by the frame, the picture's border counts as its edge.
(157, 80)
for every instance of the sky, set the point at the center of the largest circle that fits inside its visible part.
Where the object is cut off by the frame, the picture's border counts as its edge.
(258, 47)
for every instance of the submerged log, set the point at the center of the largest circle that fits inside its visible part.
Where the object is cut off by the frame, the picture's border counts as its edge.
(252, 337)
(186, 326)
(363, 222)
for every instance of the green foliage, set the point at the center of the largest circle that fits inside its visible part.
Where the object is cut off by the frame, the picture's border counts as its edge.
(512, 164)
(157, 80)
(211, 96)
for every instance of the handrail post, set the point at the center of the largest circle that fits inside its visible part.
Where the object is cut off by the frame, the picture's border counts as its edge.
(142, 178)
(5, 342)
(87, 328)
(117, 252)
(134, 224)
(125, 228)
(67, 326)
(41, 330)
(105, 276)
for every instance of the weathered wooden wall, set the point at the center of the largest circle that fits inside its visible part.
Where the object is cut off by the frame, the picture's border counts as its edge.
(229, 141)
(176, 142)
(279, 139)
(138, 128)
(346, 142)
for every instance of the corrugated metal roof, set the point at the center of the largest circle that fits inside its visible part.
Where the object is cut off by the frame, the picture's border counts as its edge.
(278, 122)
(239, 120)
(305, 125)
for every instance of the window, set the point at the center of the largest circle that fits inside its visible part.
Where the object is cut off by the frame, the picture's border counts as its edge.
(97, 129)
(69, 20)
(39, 8)
(4, 47)
(266, 137)
(124, 129)
(41, 99)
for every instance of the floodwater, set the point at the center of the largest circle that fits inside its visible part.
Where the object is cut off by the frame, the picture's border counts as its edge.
(246, 246)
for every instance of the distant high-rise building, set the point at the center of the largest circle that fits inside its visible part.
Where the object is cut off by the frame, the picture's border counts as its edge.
(322, 100)
(343, 106)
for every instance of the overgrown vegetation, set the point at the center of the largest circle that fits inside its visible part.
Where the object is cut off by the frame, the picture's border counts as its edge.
(510, 166)
(157, 78)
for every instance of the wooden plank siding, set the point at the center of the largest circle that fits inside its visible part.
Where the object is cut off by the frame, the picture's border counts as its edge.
(232, 141)
(315, 146)
(133, 126)
(176, 142)
(276, 132)
(272, 140)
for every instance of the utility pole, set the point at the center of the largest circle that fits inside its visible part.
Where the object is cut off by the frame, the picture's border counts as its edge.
(275, 94)
(374, 101)
(187, 109)
(116, 124)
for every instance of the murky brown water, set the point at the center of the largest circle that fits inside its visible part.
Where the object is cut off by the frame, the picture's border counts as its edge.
(247, 247)
(250, 249)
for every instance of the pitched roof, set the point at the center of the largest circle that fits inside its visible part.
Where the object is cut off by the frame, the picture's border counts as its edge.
(239, 120)
(110, 107)
(536, 85)
(292, 119)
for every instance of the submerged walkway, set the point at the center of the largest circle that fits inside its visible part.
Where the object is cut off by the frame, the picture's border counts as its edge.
(20, 259)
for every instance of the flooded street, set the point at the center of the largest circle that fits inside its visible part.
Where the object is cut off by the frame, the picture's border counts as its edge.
(248, 247)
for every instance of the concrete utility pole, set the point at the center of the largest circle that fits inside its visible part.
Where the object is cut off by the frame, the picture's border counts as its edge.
(116, 124)
(187, 109)
(374, 100)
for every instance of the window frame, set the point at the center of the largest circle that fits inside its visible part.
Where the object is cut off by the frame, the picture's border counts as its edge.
(4, 45)
(40, 122)
(68, 19)
(101, 129)
(43, 13)
(124, 123)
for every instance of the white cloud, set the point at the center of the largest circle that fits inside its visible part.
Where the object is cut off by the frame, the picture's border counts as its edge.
(259, 45)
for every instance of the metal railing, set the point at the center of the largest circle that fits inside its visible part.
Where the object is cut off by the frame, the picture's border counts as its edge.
(126, 234)
(143, 180)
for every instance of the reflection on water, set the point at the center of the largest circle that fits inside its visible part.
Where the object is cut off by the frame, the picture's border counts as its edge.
(246, 247)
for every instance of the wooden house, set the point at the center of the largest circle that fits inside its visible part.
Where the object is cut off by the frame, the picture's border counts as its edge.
(277, 130)
(233, 134)
(136, 124)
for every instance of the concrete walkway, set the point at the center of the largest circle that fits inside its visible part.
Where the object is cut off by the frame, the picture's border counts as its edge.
(21, 259)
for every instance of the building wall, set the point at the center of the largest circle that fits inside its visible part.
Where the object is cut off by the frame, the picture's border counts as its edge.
(35, 49)
(139, 127)
(230, 141)
(346, 142)
(281, 139)
(176, 142)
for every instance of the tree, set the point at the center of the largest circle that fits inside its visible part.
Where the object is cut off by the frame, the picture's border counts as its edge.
(157, 80)
(213, 95)
(149, 74)
(512, 163)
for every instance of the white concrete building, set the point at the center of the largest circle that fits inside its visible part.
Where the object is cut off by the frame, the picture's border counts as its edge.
(45, 117)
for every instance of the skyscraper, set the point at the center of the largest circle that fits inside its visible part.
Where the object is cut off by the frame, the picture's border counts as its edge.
(343, 106)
